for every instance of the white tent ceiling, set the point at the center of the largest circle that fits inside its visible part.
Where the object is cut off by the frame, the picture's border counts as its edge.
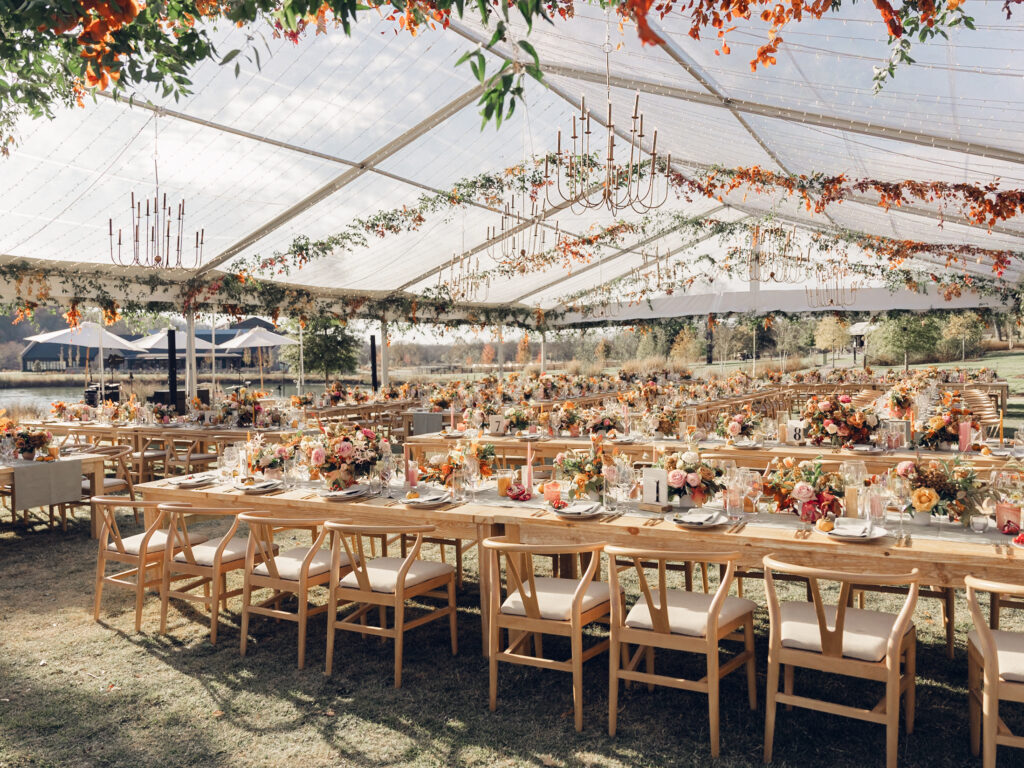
(335, 127)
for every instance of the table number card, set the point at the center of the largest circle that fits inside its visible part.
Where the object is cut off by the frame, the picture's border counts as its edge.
(655, 486)
(794, 434)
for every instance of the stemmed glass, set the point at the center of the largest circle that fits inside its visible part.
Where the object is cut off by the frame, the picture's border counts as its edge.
(228, 462)
(386, 467)
(900, 493)
(471, 470)
(754, 484)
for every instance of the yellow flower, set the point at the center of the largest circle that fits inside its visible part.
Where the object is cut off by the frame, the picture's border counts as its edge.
(924, 499)
(936, 423)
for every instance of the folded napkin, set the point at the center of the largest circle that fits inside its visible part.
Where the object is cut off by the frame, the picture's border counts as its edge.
(579, 508)
(852, 529)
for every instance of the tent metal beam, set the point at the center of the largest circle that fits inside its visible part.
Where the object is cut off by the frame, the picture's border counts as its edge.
(346, 178)
(788, 114)
(185, 117)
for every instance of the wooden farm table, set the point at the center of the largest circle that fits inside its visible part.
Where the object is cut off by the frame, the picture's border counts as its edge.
(134, 434)
(92, 468)
(420, 446)
(943, 558)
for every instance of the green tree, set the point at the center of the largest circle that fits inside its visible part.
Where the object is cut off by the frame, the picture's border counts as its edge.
(792, 337)
(905, 336)
(962, 333)
(328, 347)
(831, 334)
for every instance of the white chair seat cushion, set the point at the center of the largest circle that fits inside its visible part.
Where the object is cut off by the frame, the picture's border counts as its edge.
(204, 553)
(156, 544)
(1009, 652)
(554, 598)
(688, 612)
(152, 453)
(108, 482)
(865, 633)
(383, 573)
(289, 563)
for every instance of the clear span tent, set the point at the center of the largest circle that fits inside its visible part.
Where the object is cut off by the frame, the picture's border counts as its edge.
(340, 127)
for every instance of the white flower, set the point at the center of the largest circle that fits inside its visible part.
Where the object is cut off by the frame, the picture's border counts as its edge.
(691, 457)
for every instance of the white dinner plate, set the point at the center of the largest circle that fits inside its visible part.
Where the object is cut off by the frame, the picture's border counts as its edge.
(700, 518)
(747, 446)
(352, 492)
(429, 501)
(871, 449)
(580, 510)
(192, 481)
(260, 486)
(856, 533)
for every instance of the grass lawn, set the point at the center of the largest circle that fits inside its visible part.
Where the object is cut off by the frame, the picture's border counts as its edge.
(77, 693)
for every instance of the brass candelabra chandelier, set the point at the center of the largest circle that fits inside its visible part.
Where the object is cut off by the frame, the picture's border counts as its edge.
(775, 257)
(833, 288)
(521, 231)
(156, 233)
(576, 176)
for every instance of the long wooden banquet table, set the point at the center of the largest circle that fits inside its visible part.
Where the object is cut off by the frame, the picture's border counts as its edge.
(943, 554)
(93, 468)
(512, 449)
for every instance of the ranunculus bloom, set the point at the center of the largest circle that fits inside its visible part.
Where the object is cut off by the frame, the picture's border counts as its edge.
(802, 491)
(676, 478)
(904, 468)
(924, 499)
(693, 479)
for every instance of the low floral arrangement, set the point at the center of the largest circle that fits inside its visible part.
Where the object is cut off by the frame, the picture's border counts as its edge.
(582, 470)
(72, 411)
(603, 421)
(245, 404)
(742, 424)
(163, 413)
(804, 488)
(899, 400)
(944, 426)
(28, 441)
(689, 476)
(948, 488)
(442, 399)
(305, 400)
(836, 421)
(569, 415)
(7, 425)
(265, 456)
(518, 418)
(342, 454)
(666, 420)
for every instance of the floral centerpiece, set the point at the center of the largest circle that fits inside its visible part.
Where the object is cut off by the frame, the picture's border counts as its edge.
(569, 417)
(603, 421)
(582, 470)
(163, 413)
(245, 404)
(269, 458)
(948, 488)
(804, 488)
(899, 400)
(836, 421)
(689, 476)
(342, 454)
(441, 399)
(518, 418)
(305, 400)
(742, 424)
(666, 420)
(944, 426)
(27, 442)
(440, 468)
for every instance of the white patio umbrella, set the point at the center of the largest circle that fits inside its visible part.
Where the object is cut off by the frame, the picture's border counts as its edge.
(92, 336)
(258, 338)
(158, 342)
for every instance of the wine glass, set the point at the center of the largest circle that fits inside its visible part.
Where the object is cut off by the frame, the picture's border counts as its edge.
(754, 484)
(386, 467)
(471, 475)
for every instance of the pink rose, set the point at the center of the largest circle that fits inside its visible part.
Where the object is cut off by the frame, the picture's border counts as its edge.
(676, 478)
(368, 433)
(317, 456)
(845, 399)
(345, 450)
(559, 458)
(734, 428)
(824, 406)
(693, 479)
(802, 491)
(905, 468)
(738, 418)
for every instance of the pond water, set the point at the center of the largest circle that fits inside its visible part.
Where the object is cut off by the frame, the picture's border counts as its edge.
(41, 397)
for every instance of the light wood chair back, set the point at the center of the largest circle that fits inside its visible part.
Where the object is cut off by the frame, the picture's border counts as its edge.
(531, 624)
(413, 578)
(831, 654)
(140, 557)
(208, 572)
(738, 626)
(987, 682)
(262, 551)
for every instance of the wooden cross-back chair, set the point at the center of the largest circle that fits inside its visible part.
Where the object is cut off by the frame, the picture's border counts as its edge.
(383, 583)
(842, 640)
(205, 564)
(294, 571)
(143, 552)
(995, 673)
(538, 605)
(678, 620)
(183, 455)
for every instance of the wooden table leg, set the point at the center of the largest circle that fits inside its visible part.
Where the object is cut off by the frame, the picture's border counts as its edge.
(484, 531)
